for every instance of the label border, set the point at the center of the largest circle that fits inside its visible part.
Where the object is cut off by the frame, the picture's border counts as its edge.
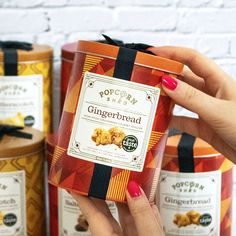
(20, 173)
(72, 151)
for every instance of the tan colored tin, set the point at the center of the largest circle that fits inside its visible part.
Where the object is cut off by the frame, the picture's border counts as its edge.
(22, 183)
(37, 61)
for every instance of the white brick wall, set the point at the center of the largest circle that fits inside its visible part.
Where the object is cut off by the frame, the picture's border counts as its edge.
(207, 25)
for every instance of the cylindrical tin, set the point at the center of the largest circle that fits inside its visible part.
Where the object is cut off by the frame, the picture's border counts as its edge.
(118, 151)
(53, 195)
(67, 58)
(198, 202)
(65, 215)
(22, 185)
(26, 97)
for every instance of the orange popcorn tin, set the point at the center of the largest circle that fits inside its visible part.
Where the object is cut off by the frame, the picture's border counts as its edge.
(114, 121)
(62, 206)
(195, 189)
(67, 58)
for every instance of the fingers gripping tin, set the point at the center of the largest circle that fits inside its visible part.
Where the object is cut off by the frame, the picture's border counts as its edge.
(195, 189)
(113, 123)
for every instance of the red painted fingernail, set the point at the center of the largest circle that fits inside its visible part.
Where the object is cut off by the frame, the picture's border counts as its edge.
(134, 189)
(169, 82)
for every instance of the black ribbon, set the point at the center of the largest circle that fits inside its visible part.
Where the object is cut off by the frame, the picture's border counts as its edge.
(185, 151)
(9, 49)
(123, 70)
(12, 130)
(16, 45)
(135, 46)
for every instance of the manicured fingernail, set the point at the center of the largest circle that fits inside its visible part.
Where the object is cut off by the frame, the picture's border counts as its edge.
(169, 82)
(134, 189)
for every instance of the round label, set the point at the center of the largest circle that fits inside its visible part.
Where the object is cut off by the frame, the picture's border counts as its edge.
(29, 121)
(9, 219)
(130, 143)
(205, 219)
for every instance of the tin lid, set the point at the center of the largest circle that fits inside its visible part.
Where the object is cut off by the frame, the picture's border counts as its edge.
(200, 148)
(39, 52)
(142, 59)
(13, 146)
(68, 51)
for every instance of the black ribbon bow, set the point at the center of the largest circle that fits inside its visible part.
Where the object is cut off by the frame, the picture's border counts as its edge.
(136, 46)
(12, 130)
(9, 49)
(16, 45)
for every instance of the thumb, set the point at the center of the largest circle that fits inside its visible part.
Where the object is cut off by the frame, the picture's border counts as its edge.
(146, 221)
(205, 106)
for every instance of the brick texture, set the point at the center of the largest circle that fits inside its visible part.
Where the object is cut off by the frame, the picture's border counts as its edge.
(206, 25)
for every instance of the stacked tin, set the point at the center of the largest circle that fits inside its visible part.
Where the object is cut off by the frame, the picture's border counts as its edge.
(22, 202)
(195, 188)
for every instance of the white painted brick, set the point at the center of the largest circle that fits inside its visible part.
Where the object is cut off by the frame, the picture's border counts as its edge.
(85, 2)
(199, 3)
(80, 19)
(4, 3)
(229, 66)
(207, 21)
(25, 3)
(30, 38)
(54, 3)
(138, 2)
(213, 46)
(162, 3)
(152, 38)
(233, 46)
(182, 40)
(136, 18)
(22, 21)
(55, 40)
(74, 37)
(229, 3)
(7, 3)
(119, 2)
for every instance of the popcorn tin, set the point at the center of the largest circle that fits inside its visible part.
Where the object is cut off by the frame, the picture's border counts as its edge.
(25, 85)
(114, 121)
(22, 209)
(67, 57)
(195, 189)
(66, 217)
(52, 190)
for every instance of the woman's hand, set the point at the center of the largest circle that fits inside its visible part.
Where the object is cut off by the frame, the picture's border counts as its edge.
(208, 91)
(136, 218)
